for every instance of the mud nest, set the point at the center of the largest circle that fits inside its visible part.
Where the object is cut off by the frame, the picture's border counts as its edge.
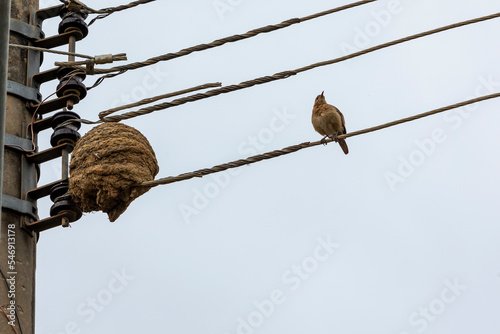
(106, 166)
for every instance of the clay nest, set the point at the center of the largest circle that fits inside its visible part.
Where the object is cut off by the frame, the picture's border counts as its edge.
(107, 165)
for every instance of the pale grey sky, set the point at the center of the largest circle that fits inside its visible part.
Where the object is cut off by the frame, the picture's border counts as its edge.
(400, 236)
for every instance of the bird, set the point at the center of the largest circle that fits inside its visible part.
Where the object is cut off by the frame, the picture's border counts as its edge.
(328, 121)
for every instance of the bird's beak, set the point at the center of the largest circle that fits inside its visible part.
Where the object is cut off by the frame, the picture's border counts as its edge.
(322, 93)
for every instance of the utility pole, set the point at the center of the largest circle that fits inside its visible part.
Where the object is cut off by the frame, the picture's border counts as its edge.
(25, 116)
(17, 245)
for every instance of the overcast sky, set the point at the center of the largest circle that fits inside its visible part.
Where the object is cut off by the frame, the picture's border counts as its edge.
(398, 237)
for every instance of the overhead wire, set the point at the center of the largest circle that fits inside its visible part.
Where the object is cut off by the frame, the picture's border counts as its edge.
(295, 148)
(34, 48)
(100, 59)
(164, 96)
(141, 102)
(110, 10)
(201, 47)
(105, 12)
(104, 116)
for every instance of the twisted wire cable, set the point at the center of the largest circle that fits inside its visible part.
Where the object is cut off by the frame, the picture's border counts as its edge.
(284, 74)
(295, 148)
(252, 33)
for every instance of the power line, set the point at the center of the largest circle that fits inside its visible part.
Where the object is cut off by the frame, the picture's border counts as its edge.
(234, 38)
(282, 75)
(78, 6)
(164, 96)
(216, 43)
(295, 148)
(34, 48)
(101, 59)
(141, 102)
(110, 10)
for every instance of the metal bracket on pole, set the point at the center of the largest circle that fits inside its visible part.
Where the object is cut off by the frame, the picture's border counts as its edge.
(18, 142)
(61, 219)
(20, 206)
(58, 40)
(24, 92)
(49, 154)
(46, 13)
(27, 30)
(52, 105)
(42, 191)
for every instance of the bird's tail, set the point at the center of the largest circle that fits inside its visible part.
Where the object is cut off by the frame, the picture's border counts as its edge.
(343, 145)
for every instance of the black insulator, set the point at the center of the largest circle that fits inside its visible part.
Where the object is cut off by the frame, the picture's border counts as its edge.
(74, 21)
(67, 72)
(65, 11)
(64, 116)
(59, 190)
(66, 205)
(64, 135)
(73, 85)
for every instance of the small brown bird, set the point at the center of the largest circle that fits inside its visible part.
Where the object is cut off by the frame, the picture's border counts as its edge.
(328, 121)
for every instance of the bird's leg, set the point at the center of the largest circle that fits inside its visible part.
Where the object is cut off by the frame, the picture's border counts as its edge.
(334, 137)
(323, 141)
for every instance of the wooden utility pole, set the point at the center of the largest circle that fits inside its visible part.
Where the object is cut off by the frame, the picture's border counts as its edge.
(17, 246)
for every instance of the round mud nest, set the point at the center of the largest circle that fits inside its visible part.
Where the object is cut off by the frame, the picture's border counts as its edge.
(106, 166)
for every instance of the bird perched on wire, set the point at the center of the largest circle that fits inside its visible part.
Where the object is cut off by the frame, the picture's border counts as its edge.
(328, 121)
